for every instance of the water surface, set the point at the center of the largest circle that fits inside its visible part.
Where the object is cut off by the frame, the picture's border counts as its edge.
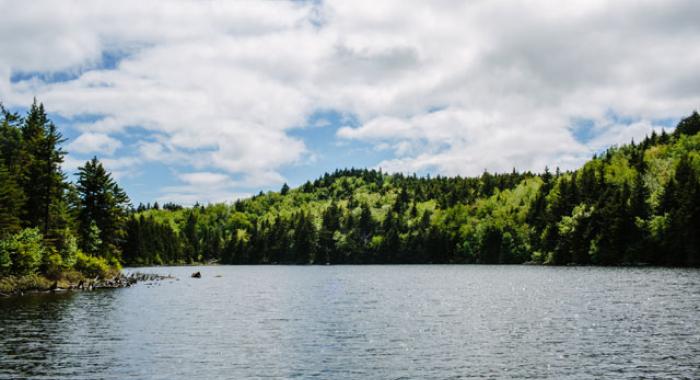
(364, 322)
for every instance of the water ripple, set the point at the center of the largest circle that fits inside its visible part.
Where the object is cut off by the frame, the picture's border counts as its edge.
(384, 322)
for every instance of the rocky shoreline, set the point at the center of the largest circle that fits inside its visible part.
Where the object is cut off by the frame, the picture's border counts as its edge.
(119, 281)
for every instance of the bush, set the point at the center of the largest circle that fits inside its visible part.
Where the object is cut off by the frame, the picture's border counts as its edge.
(68, 249)
(22, 252)
(92, 266)
(53, 264)
(14, 284)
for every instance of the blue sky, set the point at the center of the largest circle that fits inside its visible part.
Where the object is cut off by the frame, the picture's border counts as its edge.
(219, 100)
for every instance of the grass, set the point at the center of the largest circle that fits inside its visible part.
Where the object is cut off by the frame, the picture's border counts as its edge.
(42, 282)
(17, 284)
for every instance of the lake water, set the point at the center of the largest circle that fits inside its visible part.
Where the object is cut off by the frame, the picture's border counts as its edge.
(363, 322)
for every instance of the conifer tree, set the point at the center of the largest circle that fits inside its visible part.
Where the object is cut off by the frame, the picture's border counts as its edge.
(103, 203)
(42, 180)
(11, 201)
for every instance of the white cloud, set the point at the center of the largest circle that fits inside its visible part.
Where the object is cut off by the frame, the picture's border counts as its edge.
(207, 187)
(94, 143)
(449, 87)
(205, 179)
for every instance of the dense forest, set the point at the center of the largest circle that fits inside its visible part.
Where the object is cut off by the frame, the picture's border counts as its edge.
(49, 225)
(633, 204)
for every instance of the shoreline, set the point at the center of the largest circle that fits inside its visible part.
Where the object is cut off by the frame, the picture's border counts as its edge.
(13, 286)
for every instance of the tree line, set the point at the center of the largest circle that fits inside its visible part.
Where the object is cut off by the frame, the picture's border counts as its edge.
(633, 204)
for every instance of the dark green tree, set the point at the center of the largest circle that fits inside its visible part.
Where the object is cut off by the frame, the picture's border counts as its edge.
(689, 125)
(41, 179)
(103, 203)
(11, 202)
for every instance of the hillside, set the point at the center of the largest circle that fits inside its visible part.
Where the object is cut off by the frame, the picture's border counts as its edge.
(634, 204)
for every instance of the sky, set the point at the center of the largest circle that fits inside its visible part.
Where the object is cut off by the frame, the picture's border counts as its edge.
(210, 101)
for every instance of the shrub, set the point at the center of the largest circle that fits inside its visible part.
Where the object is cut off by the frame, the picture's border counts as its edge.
(22, 252)
(68, 249)
(53, 264)
(92, 266)
(14, 284)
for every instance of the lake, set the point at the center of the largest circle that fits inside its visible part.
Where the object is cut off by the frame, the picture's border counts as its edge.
(363, 322)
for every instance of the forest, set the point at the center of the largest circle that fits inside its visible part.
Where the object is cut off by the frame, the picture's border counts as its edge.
(53, 229)
(635, 204)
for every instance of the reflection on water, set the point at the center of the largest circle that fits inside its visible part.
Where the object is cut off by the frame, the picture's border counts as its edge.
(364, 322)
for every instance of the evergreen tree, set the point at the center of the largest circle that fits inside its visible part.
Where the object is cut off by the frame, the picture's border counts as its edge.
(103, 203)
(191, 236)
(304, 249)
(330, 223)
(11, 201)
(42, 180)
(680, 204)
(285, 189)
(689, 125)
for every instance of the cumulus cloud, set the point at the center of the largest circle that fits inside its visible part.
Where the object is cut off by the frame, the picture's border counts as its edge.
(216, 187)
(94, 143)
(448, 87)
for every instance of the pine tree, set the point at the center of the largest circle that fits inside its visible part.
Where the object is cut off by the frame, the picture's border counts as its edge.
(304, 248)
(11, 142)
(42, 180)
(366, 224)
(680, 203)
(688, 126)
(104, 203)
(330, 223)
(285, 189)
(11, 201)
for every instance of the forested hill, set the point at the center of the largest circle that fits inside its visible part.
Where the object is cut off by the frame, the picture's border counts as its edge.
(634, 204)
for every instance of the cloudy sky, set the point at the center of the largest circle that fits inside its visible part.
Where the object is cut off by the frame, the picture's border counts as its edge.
(208, 101)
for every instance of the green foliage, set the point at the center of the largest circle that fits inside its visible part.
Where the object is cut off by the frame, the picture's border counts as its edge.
(41, 178)
(40, 209)
(633, 204)
(11, 202)
(92, 266)
(5, 259)
(25, 251)
(68, 249)
(91, 239)
(688, 126)
(636, 203)
(11, 284)
(102, 210)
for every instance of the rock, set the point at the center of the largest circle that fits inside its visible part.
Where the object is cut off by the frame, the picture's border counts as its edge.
(196, 275)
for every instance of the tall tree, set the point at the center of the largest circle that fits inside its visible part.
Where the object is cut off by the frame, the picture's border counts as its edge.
(42, 180)
(103, 203)
(11, 201)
